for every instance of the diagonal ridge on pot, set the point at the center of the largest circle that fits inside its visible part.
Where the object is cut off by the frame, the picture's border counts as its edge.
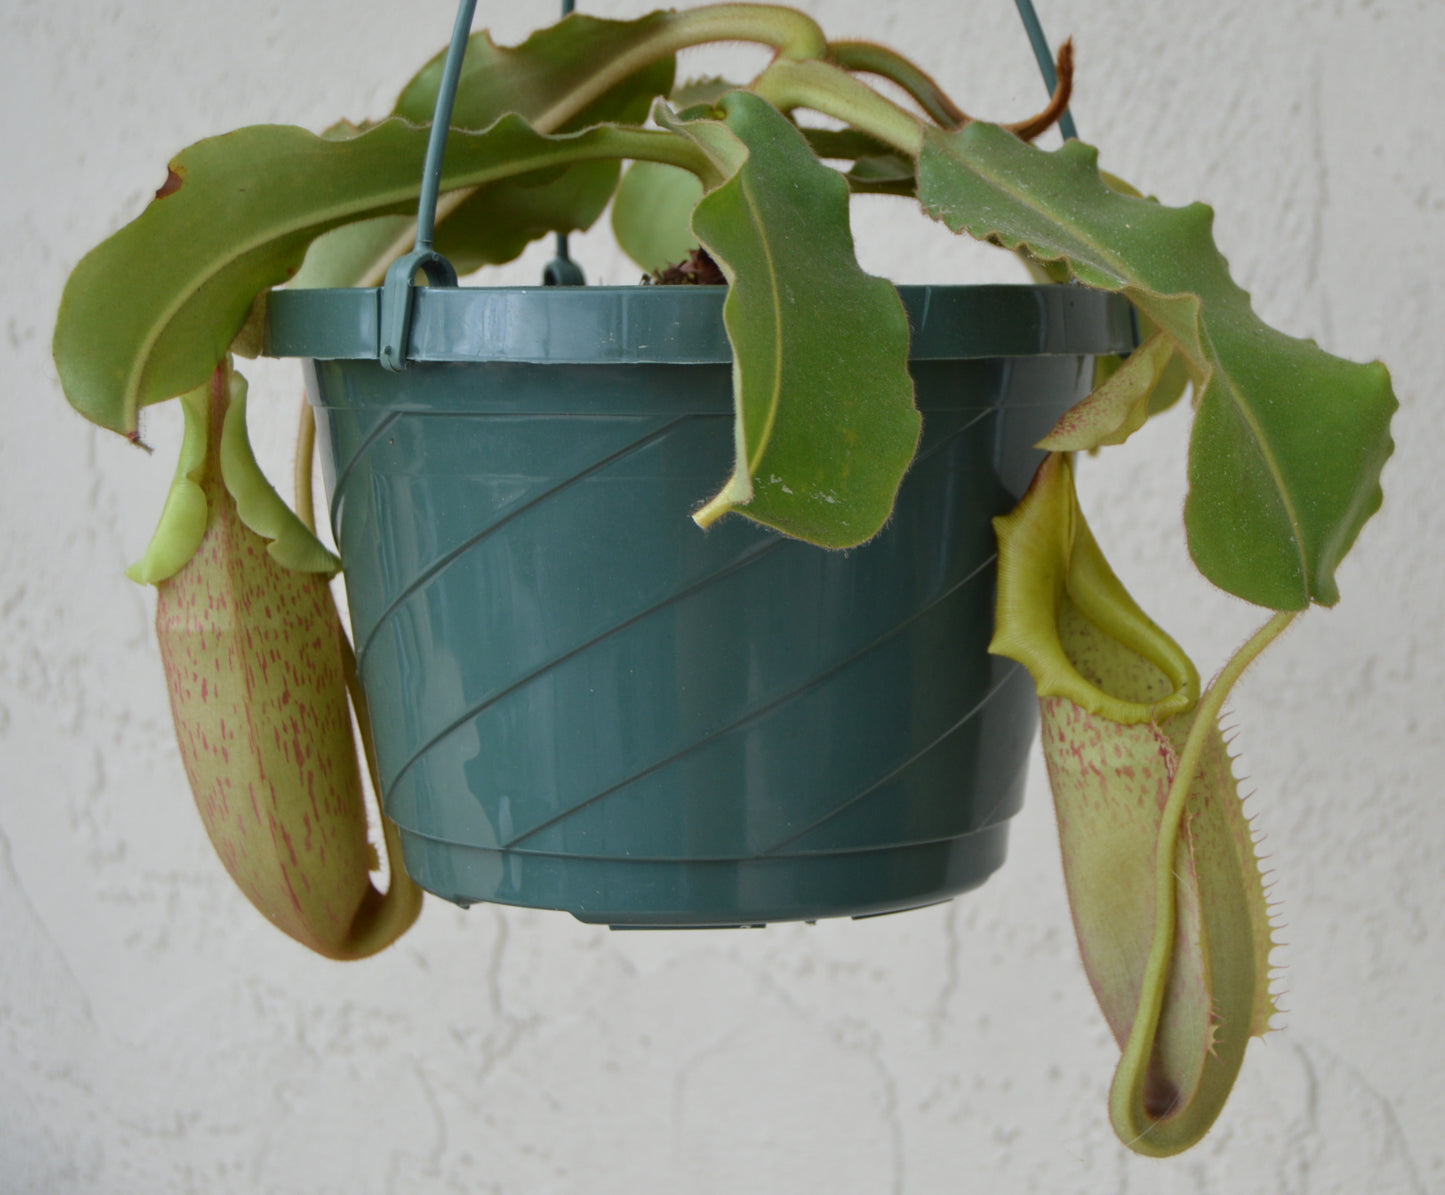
(581, 601)
(965, 755)
(477, 708)
(440, 533)
(823, 728)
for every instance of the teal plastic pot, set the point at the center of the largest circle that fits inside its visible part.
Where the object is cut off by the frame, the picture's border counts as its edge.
(580, 700)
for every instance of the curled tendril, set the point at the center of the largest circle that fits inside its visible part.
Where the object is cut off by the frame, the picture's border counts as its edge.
(867, 58)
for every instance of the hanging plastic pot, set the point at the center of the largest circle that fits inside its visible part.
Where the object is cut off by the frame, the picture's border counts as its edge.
(582, 701)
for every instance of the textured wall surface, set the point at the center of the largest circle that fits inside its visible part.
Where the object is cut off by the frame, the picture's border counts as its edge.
(156, 1036)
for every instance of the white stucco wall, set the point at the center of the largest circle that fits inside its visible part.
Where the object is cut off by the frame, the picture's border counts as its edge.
(157, 1036)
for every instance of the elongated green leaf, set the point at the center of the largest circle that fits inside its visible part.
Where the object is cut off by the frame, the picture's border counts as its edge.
(344, 256)
(183, 518)
(491, 226)
(259, 507)
(149, 313)
(1118, 407)
(1174, 377)
(826, 424)
(847, 145)
(500, 220)
(652, 214)
(877, 168)
(705, 90)
(888, 175)
(532, 77)
(1288, 442)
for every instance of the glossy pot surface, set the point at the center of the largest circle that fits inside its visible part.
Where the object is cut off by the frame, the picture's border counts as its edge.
(581, 701)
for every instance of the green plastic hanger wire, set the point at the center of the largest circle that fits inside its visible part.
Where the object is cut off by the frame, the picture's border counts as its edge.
(562, 270)
(398, 294)
(1045, 58)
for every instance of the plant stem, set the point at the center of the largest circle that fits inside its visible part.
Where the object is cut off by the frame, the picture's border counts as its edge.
(889, 64)
(305, 448)
(1126, 1095)
(792, 34)
(832, 91)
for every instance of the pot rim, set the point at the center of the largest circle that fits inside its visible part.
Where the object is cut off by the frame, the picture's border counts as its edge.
(678, 325)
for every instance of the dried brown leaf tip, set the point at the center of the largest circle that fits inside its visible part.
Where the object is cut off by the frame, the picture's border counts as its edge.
(1058, 104)
(698, 270)
(174, 179)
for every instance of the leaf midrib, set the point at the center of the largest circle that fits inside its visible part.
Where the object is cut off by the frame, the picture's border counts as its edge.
(1266, 452)
(289, 228)
(765, 242)
(1209, 354)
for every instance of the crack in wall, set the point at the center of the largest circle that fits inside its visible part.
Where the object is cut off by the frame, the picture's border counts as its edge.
(1394, 1142)
(938, 1020)
(8, 870)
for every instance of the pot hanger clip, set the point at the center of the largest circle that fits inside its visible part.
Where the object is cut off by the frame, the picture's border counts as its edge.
(398, 294)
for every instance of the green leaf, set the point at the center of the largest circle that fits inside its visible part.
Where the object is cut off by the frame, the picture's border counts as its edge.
(1174, 377)
(183, 518)
(820, 376)
(149, 313)
(496, 223)
(891, 174)
(344, 256)
(553, 63)
(259, 507)
(500, 220)
(1288, 442)
(847, 145)
(1118, 407)
(491, 226)
(877, 169)
(652, 214)
(707, 90)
